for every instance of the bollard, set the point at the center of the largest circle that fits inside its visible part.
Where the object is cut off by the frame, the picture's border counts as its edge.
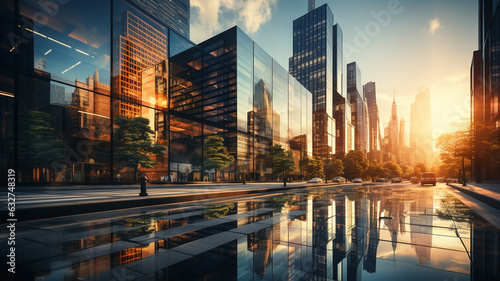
(143, 181)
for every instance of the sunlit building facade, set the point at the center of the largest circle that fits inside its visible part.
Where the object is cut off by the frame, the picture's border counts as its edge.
(359, 113)
(62, 89)
(312, 64)
(421, 127)
(370, 94)
(485, 90)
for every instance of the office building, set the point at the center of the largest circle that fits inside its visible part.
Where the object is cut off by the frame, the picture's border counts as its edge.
(485, 94)
(421, 127)
(359, 115)
(375, 138)
(71, 87)
(312, 64)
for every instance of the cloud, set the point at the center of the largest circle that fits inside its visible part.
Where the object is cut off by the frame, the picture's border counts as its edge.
(211, 17)
(434, 25)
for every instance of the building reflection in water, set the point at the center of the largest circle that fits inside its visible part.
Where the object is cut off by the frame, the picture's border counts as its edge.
(355, 234)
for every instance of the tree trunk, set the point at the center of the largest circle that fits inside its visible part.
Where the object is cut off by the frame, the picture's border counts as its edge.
(284, 178)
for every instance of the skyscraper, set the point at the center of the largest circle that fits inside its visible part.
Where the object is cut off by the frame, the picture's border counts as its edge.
(485, 93)
(312, 64)
(393, 132)
(359, 106)
(421, 127)
(341, 106)
(370, 93)
(175, 14)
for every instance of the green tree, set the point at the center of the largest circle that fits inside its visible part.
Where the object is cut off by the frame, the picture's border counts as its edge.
(393, 169)
(334, 168)
(38, 144)
(418, 169)
(406, 171)
(133, 144)
(374, 170)
(283, 161)
(314, 167)
(215, 154)
(355, 164)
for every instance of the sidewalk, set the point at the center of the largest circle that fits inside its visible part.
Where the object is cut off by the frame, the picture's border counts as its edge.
(39, 202)
(488, 193)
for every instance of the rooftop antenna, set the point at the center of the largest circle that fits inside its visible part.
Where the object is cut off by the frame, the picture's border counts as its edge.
(311, 5)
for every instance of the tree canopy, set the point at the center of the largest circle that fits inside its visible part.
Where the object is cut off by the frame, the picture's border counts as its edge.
(283, 161)
(133, 144)
(355, 164)
(38, 144)
(334, 168)
(215, 154)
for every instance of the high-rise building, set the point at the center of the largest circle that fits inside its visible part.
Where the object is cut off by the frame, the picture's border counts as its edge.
(370, 94)
(402, 132)
(485, 93)
(175, 14)
(312, 64)
(360, 111)
(341, 106)
(421, 127)
(393, 132)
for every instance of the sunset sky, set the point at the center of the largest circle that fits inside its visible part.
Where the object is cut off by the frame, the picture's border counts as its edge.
(425, 42)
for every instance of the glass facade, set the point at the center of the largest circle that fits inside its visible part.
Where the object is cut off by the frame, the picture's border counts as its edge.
(104, 95)
(359, 108)
(313, 65)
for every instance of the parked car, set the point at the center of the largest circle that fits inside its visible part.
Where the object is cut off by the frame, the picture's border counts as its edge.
(316, 180)
(441, 180)
(414, 180)
(380, 180)
(357, 180)
(451, 180)
(396, 180)
(339, 179)
(428, 178)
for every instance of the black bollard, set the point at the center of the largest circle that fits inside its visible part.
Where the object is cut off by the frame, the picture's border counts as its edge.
(143, 181)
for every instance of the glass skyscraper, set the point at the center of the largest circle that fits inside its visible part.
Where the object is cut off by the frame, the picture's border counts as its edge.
(359, 116)
(312, 64)
(71, 72)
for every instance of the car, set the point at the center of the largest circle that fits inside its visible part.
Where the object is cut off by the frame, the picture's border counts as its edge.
(339, 179)
(316, 180)
(428, 178)
(379, 180)
(414, 180)
(357, 180)
(396, 180)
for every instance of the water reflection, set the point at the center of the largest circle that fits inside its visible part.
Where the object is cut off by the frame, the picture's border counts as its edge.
(364, 233)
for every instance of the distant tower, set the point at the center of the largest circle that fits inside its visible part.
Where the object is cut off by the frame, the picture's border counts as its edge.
(311, 5)
(402, 132)
(393, 131)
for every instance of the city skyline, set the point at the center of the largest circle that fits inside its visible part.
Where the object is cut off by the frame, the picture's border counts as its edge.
(436, 39)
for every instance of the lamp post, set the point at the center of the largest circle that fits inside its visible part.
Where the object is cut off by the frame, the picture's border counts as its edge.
(464, 179)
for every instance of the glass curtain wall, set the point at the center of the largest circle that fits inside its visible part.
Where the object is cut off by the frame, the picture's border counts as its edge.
(62, 88)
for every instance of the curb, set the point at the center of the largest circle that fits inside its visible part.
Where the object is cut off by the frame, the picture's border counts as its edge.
(483, 198)
(44, 212)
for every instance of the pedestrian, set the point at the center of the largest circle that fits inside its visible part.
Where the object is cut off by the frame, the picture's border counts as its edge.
(171, 178)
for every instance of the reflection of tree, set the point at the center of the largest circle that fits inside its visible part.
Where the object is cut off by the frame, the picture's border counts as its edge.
(133, 145)
(453, 209)
(38, 145)
(141, 225)
(283, 161)
(215, 154)
(217, 211)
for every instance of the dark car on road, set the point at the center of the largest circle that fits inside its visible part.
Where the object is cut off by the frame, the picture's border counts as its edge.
(414, 180)
(396, 180)
(428, 178)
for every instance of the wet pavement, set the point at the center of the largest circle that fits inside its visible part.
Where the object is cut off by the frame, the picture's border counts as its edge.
(378, 232)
